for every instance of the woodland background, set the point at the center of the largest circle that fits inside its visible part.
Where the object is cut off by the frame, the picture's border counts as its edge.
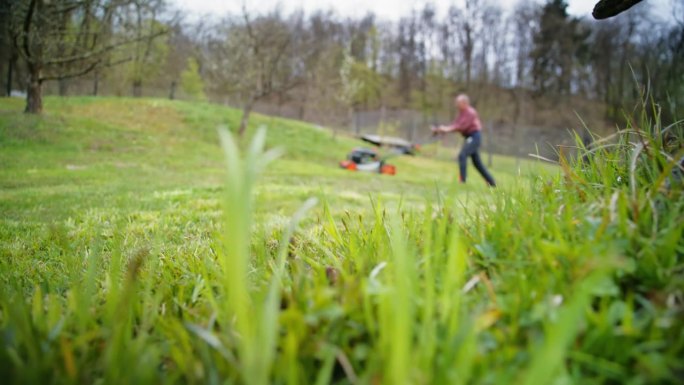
(533, 71)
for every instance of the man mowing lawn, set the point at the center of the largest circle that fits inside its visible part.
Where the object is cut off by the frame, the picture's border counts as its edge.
(469, 125)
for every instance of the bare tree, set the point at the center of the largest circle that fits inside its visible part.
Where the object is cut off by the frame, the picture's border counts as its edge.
(8, 55)
(468, 33)
(490, 25)
(406, 51)
(254, 58)
(525, 24)
(146, 53)
(322, 75)
(62, 39)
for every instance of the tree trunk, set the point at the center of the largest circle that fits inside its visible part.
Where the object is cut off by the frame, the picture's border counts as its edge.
(34, 94)
(137, 88)
(468, 55)
(246, 111)
(172, 93)
(63, 87)
(516, 115)
(302, 106)
(10, 69)
(281, 102)
(96, 83)
(302, 111)
(468, 71)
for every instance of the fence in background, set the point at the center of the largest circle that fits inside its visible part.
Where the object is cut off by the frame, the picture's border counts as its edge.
(498, 137)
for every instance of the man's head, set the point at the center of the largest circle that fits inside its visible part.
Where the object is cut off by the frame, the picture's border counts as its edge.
(462, 102)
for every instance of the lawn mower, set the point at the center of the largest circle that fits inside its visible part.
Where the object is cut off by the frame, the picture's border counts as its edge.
(397, 145)
(366, 159)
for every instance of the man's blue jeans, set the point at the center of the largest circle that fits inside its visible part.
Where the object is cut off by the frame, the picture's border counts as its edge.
(470, 149)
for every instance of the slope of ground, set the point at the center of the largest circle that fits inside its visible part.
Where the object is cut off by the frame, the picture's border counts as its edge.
(86, 152)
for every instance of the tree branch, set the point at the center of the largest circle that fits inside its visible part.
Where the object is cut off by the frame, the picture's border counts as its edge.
(27, 28)
(248, 25)
(90, 54)
(283, 88)
(73, 74)
(67, 7)
(90, 68)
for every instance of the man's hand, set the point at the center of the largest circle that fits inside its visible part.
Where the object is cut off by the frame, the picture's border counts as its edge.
(437, 130)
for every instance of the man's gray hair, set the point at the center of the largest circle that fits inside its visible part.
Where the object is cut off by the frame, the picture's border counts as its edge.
(463, 97)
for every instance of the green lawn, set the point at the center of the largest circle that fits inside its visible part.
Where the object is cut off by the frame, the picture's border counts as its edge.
(135, 249)
(114, 158)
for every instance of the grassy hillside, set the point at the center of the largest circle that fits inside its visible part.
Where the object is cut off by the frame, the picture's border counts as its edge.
(98, 154)
(134, 248)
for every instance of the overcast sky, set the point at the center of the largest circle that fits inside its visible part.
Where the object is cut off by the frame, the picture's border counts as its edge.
(388, 9)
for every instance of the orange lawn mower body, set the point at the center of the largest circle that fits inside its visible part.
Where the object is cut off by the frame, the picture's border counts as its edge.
(368, 160)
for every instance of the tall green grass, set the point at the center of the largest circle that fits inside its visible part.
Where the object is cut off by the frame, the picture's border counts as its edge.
(573, 278)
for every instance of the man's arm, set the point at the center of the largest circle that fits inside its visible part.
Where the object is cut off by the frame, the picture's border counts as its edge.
(442, 129)
(461, 123)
